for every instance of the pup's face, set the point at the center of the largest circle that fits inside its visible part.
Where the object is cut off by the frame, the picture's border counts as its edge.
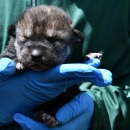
(44, 37)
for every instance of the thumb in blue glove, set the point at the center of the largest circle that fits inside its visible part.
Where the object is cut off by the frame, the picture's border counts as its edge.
(7, 68)
(79, 110)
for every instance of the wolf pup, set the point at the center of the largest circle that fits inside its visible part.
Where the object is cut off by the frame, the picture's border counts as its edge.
(42, 38)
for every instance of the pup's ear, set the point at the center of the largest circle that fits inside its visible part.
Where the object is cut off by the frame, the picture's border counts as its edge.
(12, 30)
(77, 36)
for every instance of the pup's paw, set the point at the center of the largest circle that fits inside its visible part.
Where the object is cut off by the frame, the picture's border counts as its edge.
(94, 55)
(44, 117)
(19, 66)
(49, 120)
(91, 56)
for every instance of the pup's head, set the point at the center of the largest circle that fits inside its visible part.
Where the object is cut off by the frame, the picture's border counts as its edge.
(44, 37)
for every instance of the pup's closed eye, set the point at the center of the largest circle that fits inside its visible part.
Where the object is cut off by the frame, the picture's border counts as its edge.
(52, 39)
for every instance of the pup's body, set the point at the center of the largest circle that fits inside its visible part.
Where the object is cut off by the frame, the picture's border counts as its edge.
(42, 38)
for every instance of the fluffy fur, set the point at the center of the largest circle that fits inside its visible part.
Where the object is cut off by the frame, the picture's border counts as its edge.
(42, 38)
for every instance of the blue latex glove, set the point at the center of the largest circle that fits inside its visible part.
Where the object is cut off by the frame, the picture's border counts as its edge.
(79, 110)
(22, 92)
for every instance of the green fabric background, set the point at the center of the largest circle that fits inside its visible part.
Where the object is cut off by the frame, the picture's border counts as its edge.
(106, 27)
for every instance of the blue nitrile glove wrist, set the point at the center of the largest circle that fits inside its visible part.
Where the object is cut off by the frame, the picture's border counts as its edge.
(20, 93)
(79, 110)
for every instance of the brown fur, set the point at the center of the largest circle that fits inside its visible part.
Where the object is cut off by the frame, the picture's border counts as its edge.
(42, 38)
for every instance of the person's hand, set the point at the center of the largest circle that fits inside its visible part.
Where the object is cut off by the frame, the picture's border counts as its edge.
(76, 115)
(20, 93)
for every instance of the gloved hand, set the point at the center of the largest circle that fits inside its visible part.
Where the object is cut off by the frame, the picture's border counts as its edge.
(79, 110)
(20, 93)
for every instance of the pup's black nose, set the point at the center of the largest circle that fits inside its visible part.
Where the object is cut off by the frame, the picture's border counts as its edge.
(36, 55)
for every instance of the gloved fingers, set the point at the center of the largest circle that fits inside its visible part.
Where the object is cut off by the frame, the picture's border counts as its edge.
(83, 102)
(106, 77)
(95, 62)
(67, 71)
(100, 77)
(7, 68)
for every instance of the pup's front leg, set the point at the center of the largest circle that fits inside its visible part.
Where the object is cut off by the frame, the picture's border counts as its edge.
(19, 66)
